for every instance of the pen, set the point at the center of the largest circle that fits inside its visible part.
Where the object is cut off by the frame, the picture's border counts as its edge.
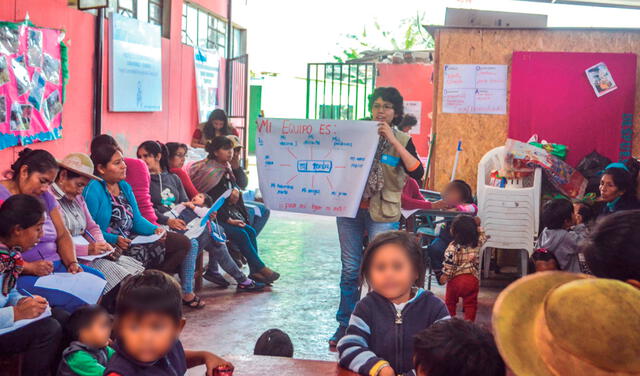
(90, 236)
(42, 257)
(25, 292)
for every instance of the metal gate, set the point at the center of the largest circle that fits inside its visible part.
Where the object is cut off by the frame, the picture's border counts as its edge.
(237, 96)
(339, 90)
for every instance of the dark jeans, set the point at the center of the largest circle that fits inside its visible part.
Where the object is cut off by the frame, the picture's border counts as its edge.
(245, 239)
(40, 343)
(435, 252)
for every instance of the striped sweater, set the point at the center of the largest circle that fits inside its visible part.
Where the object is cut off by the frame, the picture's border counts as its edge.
(380, 334)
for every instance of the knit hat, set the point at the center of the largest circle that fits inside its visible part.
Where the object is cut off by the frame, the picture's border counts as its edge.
(558, 323)
(79, 163)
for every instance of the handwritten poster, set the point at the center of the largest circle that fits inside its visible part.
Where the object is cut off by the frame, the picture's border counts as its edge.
(314, 166)
(414, 108)
(475, 89)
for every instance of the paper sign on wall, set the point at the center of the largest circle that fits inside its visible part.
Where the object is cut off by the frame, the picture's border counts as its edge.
(207, 64)
(414, 108)
(600, 79)
(474, 89)
(315, 166)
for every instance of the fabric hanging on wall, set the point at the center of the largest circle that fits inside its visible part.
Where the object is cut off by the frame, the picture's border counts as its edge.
(551, 96)
(33, 73)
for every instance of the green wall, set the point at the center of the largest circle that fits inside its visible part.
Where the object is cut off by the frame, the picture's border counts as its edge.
(255, 104)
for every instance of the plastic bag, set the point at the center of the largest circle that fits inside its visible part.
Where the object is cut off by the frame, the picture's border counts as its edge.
(3, 109)
(37, 90)
(557, 150)
(23, 82)
(51, 69)
(565, 178)
(590, 167)
(4, 71)
(34, 52)
(21, 116)
(9, 40)
(52, 106)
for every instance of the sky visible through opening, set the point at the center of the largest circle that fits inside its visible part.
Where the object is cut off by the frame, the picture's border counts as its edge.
(285, 35)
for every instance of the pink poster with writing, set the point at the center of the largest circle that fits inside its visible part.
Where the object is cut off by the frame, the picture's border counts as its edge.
(551, 96)
(31, 81)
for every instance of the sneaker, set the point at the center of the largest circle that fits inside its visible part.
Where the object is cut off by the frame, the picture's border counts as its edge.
(252, 287)
(337, 336)
(218, 279)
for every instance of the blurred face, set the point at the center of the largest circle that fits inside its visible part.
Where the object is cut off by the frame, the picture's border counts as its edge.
(382, 111)
(218, 124)
(26, 238)
(98, 333)
(223, 155)
(177, 161)
(152, 161)
(608, 189)
(198, 200)
(391, 273)
(234, 197)
(115, 171)
(148, 337)
(35, 183)
(452, 196)
(72, 187)
(543, 266)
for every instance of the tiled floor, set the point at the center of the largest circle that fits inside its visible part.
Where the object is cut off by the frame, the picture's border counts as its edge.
(305, 250)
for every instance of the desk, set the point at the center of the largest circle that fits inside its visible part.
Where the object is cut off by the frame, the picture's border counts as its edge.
(268, 365)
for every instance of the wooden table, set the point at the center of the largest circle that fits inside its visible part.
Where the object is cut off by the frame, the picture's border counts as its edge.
(268, 365)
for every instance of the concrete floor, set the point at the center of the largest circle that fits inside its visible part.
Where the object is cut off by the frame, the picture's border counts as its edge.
(305, 250)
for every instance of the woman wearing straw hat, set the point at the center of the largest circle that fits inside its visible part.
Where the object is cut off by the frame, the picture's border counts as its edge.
(559, 324)
(76, 170)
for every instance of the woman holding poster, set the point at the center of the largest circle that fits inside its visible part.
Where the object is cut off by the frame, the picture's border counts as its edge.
(379, 211)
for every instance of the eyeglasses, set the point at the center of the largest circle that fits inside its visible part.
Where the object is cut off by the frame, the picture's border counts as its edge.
(384, 107)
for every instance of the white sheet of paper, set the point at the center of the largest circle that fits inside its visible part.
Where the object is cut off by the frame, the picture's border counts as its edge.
(94, 257)
(414, 108)
(408, 213)
(20, 323)
(86, 286)
(80, 240)
(314, 166)
(145, 239)
(475, 89)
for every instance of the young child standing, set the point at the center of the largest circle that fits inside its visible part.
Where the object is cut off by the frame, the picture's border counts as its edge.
(457, 196)
(556, 219)
(379, 338)
(148, 325)
(89, 351)
(461, 265)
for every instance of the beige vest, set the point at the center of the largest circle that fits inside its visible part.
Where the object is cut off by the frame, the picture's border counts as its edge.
(384, 206)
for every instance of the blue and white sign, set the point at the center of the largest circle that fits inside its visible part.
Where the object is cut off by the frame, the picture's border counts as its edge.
(207, 63)
(135, 69)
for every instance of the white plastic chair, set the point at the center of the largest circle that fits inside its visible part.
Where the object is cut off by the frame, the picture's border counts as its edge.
(510, 215)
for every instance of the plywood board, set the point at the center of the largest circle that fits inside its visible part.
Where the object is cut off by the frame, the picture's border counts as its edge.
(481, 133)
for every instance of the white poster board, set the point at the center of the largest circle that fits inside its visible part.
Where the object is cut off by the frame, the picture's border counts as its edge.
(207, 64)
(315, 166)
(135, 69)
(474, 89)
(414, 108)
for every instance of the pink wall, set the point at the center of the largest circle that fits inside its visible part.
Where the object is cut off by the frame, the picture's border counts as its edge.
(414, 83)
(178, 117)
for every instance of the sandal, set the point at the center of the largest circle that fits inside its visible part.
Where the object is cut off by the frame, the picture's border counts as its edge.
(195, 303)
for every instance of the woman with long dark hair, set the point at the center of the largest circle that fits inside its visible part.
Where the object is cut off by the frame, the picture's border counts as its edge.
(216, 125)
(617, 189)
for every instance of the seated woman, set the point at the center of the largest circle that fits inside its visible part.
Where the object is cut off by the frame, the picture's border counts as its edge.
(76, 170)
(167, 192)
(216, 125)
(114, 208)
(32, 174)
(617, 189)
(258, 212)
(177, 157)
(21, 222)
(214, 177)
